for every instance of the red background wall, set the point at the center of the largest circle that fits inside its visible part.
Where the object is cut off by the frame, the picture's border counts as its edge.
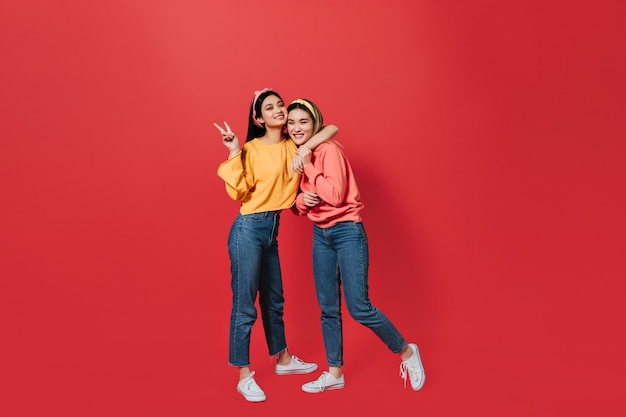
(488, 140)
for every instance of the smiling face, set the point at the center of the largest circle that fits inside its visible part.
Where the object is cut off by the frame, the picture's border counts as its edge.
(273, 112)
(300, 126)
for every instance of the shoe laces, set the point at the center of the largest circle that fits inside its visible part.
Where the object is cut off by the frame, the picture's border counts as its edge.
(250, 384)
(407, 367)
(403, 372)
(296, 359)
(322, 380)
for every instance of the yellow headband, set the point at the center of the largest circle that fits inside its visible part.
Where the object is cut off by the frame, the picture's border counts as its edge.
(305, 104)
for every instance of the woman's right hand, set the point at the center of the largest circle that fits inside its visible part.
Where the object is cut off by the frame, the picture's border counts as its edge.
(229, 138)
(310, 199)
(301, 159)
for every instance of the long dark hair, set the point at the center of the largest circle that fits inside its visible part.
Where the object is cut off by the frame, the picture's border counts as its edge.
(254, 130)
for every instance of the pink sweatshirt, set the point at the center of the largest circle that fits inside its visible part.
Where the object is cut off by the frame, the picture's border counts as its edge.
(330, 175)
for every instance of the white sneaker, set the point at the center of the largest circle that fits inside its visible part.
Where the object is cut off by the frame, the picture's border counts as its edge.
(250, 389)
(414, 368)
(324, 383)
(296, 366)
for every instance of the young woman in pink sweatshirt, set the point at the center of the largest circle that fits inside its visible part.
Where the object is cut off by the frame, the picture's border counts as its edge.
(330, 198)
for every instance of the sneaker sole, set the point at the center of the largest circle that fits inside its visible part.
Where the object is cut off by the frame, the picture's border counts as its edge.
(317, 391)
(251, 398)
(419, 360)
(296, 371)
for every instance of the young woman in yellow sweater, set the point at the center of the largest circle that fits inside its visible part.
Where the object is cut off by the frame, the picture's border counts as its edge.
(260, 176)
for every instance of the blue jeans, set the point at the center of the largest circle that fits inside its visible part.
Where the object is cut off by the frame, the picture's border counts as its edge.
(255, 268)
(341, 257)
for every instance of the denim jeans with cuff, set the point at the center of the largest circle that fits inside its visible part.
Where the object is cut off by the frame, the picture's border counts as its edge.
(255, 268)
(341, 258)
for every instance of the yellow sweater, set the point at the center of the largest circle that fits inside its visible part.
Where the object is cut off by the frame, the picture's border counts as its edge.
(260, 176)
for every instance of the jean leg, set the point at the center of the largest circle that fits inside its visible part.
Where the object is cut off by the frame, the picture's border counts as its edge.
(328, 289)
(353, 256)
(245, 256)
(271, 296)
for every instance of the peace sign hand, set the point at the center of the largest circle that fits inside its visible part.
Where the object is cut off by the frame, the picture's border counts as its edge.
(229, 138)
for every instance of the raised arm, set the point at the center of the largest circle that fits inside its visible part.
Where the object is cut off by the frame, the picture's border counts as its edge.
(326, 133)
(230, 139)
(238, 183)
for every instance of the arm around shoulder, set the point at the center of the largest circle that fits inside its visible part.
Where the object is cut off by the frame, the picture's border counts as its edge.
(326, 133)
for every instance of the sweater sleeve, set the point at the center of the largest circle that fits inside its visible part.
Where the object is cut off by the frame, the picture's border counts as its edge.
(237, 180)
(329, 176)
